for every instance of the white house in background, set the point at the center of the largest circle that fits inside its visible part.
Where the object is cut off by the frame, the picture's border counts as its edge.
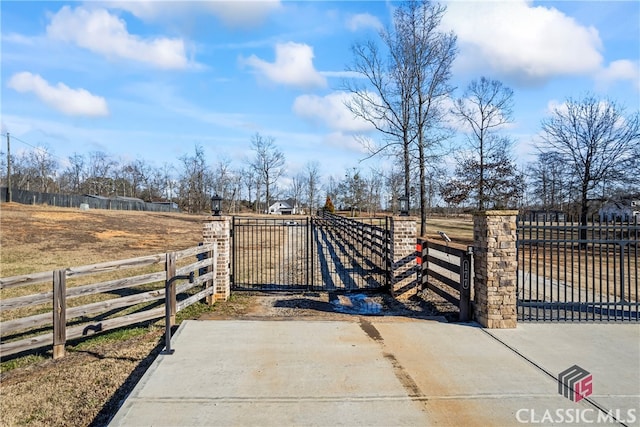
(283, 207)
(620, 210)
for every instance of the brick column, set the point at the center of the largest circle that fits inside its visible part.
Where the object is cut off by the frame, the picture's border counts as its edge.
(496, 267)
(403, 257)
(217, 229)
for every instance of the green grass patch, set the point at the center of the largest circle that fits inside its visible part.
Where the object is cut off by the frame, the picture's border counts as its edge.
(21, 362)
(193, 311)
(109, 337)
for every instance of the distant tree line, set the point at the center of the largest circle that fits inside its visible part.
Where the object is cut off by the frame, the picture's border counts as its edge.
(588, 148)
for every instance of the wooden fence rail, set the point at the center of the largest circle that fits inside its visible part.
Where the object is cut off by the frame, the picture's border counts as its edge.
(61, 323)
(447, 272)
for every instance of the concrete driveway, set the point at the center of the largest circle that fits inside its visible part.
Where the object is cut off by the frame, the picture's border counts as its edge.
(386, 371)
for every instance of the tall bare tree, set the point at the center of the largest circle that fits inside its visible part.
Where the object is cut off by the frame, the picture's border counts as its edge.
(406, 86)
(595, 140)
(433, 52)
(268, 161)
(384, 101)
(485, 107)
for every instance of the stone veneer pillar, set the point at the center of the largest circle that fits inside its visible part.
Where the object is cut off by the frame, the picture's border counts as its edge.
(403, 257)
(496, 266)
(217, 229)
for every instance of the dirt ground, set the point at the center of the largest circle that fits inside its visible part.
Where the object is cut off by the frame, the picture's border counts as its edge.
(86, 387)
(329, 306)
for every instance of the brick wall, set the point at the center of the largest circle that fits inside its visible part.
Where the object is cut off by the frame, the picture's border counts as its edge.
(218, 230)
(404, 270)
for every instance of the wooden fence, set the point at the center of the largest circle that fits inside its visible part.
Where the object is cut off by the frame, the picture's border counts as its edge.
(448, 272)
(122, 301)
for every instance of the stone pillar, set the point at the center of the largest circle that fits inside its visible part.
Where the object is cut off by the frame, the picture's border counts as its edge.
(496, 266)
(217, 229)
(403, 257)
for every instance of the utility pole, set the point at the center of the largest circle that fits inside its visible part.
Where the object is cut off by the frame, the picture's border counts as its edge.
(8, 168)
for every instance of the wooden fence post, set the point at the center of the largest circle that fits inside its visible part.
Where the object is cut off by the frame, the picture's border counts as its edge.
(59, 313)
(211, 298)
(171, 288)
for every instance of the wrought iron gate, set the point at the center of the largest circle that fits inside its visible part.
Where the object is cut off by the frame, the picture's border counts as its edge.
(573, 272)
(321, 253)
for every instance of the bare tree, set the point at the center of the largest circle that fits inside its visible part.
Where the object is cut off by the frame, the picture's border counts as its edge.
(485, 107)
(394, 181)
(407, 84)
(75, 172)
(296, 188)
(22, 173)
(385, 102)
(268, 162)
(100, 167)
(594, 139)
(312, 184)
(549, 183)
(249, 181)
(44, 165)
(433, 54)
(167, 183)
(195, 183)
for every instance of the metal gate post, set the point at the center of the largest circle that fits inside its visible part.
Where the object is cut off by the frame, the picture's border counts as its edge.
(465, 285)
(309, 253)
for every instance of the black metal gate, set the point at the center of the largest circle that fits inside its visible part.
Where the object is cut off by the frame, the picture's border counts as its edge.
(573, 272)
(321, 253)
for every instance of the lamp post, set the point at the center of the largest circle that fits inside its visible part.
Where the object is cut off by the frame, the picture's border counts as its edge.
(404, 205)
(216, 205)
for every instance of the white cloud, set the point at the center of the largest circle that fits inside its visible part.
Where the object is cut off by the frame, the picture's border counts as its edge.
(621, 70)
(363, 21)
(104, 33)
(232, 13)
(293, 66)
(331, 111)
(521, 41)
(345, 142)
(73, 102)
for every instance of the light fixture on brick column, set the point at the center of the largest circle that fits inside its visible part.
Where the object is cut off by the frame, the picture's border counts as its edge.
(403, 201)
(216, 205)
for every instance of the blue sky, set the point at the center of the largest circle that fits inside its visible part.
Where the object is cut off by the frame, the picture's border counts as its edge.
(152, 79)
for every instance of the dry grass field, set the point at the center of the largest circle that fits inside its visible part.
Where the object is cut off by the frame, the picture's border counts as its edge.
(86, 386)
(82, 388)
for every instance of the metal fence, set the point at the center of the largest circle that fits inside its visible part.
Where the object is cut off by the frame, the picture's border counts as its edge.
(75, 200)
(573, 272)
(291, 253)
(271, 253)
